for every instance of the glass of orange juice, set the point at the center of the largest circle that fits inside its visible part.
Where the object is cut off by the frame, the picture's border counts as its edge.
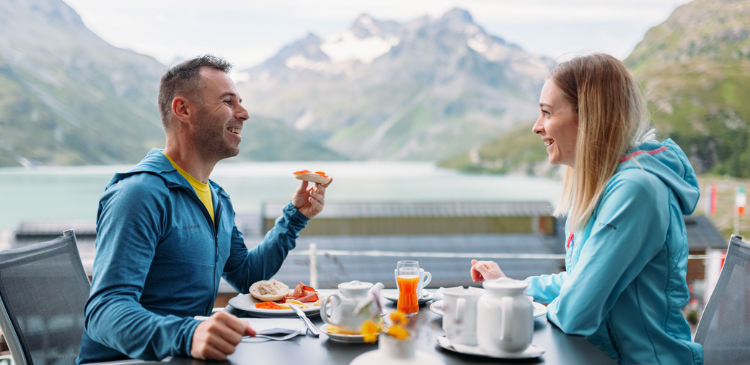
(407, 277)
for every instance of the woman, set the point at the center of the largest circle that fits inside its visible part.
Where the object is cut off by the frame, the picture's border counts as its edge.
(624, 194)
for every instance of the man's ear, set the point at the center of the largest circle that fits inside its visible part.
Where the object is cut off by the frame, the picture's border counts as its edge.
(183, 109)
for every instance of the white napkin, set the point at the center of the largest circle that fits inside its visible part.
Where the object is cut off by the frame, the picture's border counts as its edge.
(272, 326)
(437, 295)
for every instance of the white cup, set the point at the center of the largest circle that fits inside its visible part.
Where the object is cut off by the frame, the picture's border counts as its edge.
(424, 278)
(460, 314)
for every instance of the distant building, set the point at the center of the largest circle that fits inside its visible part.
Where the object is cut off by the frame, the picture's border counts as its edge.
(414, 218)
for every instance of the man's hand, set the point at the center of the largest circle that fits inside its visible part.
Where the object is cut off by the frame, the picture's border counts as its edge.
(485, 270)
(218, 336)
(310, 200)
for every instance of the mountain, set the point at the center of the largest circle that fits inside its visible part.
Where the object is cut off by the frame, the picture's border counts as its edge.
(694, 69)
(422, 90)
(67, 97)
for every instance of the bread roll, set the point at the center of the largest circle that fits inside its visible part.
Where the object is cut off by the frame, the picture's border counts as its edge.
(269, 290)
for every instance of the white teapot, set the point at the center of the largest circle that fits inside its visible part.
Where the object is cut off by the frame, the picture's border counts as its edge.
(356, 303)
(505, 317)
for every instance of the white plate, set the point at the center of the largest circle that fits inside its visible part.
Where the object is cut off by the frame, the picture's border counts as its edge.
(342, 338)
(539, 309)
(531, 352)
(392, 295)
(246, 302)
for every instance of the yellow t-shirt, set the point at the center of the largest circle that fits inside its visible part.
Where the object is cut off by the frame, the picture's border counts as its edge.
(203, 190)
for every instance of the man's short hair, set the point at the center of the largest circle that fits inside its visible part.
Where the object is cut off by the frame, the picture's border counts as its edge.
(183, 80)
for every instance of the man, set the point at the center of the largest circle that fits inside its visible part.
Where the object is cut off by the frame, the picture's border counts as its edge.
(166, 233)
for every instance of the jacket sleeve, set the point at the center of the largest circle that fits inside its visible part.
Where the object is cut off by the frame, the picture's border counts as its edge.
(545, 288)
(628, 230)
(129, 222)
(245, 267)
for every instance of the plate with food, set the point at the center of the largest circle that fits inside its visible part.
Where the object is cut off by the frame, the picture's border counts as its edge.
(272, 298)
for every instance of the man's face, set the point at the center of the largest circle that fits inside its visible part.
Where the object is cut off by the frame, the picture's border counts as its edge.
(220, 116)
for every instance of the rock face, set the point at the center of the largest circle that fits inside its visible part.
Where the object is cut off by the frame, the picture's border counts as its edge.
(425, 90)
(695, 72)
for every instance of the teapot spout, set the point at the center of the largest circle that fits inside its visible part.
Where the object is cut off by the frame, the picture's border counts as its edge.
(376, 289)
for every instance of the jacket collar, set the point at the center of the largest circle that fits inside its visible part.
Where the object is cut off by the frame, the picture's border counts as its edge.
(156, 163)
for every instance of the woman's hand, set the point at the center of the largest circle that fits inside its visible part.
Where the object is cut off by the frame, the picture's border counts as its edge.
(485, 270)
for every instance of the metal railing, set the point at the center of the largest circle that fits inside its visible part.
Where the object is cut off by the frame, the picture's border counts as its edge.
(313, 253)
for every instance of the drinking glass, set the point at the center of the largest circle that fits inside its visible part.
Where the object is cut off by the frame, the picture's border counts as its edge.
(407, 276)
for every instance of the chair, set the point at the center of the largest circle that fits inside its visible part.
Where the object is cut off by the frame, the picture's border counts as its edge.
(724, 328)
(43, 288)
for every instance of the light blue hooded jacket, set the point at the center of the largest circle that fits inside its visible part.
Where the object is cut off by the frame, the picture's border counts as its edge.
(624, 283)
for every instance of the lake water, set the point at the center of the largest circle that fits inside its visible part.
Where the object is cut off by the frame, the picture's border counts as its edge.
(50, 193)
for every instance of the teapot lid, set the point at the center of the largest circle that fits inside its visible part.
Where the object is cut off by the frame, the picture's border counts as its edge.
(355, 285)
(505, 283)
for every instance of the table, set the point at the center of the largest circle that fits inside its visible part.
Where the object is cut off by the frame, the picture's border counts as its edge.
(308, 350)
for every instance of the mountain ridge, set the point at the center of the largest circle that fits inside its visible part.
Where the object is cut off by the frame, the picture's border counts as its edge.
(442, 85)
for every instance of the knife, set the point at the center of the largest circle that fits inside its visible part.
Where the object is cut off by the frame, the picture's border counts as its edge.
(309, 324)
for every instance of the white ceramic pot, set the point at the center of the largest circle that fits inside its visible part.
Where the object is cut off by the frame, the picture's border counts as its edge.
(347, 312)
(505, 317)
(460, 314)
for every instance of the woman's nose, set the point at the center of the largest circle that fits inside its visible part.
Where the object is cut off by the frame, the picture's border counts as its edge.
(537, 128)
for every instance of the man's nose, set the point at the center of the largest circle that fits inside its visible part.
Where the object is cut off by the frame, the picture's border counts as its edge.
(241, 114)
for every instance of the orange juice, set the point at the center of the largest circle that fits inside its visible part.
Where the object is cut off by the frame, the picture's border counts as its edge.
(408, 302)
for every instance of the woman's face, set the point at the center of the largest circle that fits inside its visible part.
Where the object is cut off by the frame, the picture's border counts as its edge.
(557, 125)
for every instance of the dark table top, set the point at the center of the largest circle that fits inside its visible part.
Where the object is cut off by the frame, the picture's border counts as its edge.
(559, 347)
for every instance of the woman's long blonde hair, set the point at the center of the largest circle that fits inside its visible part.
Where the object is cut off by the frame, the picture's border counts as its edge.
(611, 119)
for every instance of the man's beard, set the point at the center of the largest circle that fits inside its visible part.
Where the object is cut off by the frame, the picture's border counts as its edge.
(209, 138)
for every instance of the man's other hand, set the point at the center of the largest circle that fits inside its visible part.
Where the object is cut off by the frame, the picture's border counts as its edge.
(309, 200)
(218, 336)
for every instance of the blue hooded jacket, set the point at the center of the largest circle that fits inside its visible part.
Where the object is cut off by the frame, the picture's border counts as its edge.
(624, 283)
(159, 260)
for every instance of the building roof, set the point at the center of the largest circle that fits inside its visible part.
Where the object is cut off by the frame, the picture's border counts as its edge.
(702, 234)
(419, 209)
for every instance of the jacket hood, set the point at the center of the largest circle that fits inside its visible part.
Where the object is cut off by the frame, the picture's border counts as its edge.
(157, 164)
(667, 161)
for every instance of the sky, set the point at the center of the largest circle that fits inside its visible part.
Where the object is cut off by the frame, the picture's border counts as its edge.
(248, 32)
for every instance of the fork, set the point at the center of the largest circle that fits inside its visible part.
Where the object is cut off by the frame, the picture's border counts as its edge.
(274, 338)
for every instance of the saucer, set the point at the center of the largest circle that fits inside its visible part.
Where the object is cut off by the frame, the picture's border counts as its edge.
(338, 337)
(392, 295)
(540, 310)
(533, 351)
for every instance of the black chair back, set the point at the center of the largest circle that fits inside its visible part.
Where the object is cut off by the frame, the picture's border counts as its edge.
(43, 288)
(724, 329)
